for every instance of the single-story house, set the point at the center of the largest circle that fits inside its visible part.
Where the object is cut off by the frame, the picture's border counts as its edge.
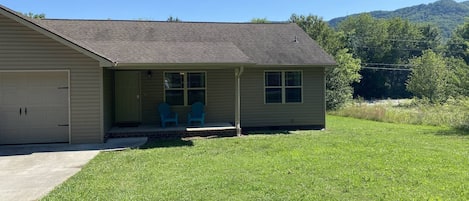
(73, 80)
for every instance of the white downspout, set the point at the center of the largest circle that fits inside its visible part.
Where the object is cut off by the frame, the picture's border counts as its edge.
(238, 72)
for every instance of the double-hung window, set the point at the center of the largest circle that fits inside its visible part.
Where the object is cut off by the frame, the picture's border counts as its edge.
(283, 86)
(184, 88)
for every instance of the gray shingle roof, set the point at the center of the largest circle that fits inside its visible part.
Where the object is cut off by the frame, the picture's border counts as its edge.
(152, 52)
(150, 42)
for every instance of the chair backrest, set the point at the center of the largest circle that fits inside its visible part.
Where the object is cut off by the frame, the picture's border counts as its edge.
(164, 109)
(197, 109)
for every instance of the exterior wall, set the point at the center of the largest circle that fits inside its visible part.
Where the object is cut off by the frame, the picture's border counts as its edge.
(108, 99)
(255, 113)
(152, 95)
(22, 48)
(219, 90)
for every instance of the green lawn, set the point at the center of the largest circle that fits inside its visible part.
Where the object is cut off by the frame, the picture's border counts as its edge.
(352, 160)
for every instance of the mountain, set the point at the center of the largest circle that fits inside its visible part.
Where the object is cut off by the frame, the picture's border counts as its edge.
(446, 14)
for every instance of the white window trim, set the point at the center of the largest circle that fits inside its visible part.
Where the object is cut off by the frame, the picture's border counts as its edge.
(185, 88)
(283, 87)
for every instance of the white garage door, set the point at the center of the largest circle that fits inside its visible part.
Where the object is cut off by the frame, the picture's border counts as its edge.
(34, 107)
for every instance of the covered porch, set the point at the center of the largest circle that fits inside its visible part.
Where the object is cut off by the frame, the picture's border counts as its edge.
(132, 95)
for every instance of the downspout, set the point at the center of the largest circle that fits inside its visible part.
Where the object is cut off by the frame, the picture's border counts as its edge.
(324, 97)
(238, 72)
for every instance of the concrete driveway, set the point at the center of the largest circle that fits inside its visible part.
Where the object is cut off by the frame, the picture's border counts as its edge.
(29, 172)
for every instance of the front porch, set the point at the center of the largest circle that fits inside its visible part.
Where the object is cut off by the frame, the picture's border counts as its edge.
(132, 97)
(180, 131)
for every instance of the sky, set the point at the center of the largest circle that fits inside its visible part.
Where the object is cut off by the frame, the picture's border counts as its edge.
(203, 10)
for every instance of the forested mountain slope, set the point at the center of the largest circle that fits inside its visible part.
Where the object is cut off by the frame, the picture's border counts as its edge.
(446, 14)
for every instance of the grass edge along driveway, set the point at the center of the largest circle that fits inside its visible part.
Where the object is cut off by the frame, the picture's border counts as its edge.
(352, 160)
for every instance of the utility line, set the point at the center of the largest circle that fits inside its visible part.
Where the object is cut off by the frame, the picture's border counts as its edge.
(385, 64)
(409, 49)
(382, 68)
(357, 38)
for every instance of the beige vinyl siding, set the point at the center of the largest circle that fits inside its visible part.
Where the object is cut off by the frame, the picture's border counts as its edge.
(221, 96)
(256, 113)
(152, 95)
(22, 48)
(219, 91)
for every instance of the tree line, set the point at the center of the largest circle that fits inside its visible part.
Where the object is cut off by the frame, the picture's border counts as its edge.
(390, 58)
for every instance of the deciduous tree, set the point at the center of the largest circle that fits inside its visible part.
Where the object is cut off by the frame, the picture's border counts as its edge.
(429, 77)
(340, 78)
(458, 45)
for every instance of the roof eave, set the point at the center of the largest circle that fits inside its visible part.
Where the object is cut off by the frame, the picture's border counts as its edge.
(297, 65)
(138, 66)
(180, 65)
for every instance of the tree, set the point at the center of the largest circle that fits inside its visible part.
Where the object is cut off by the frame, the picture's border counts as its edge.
(429, 77)
(458, 82)
(366, 37)
(173, 19)
(35, 16)
(338, 79)
(458, 45)
(431, 37)
(321, 32)
(386, 43)
(260, 20)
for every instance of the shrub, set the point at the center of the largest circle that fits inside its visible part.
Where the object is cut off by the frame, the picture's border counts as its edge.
(453, 113)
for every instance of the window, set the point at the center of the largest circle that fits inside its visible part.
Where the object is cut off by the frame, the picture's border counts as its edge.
(283, 86)
(184, 88)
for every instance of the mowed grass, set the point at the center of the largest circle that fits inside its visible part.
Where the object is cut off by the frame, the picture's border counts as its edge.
(352, 160)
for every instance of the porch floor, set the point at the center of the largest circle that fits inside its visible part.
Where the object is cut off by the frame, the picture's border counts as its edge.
(171, 131)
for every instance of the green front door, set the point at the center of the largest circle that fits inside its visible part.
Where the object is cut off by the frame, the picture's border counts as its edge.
(127, 96)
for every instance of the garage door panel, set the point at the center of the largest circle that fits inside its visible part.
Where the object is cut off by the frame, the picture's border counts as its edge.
(37, 135)
(10, 96)
(9, 125)
(47, 96)
(43, 100)
(49, 116)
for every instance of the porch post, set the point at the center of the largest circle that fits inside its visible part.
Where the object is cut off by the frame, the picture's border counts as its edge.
(238, 73)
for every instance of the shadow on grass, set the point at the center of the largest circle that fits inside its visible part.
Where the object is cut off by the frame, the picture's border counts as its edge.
(279, 130)
(269, 132)
(162, 143)
(454, 132)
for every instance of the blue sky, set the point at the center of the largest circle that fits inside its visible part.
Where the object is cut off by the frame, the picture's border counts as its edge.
(202, 10)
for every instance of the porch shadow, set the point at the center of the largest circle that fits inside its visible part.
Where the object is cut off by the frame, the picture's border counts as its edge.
(174, 132)
(268, 132)
(276, 130)
(153, 143)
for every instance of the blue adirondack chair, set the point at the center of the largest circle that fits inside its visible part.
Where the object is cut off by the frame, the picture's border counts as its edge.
(197, 114)
(166, 115)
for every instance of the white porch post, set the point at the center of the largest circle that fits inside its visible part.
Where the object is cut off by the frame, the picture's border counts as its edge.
(238, 72)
